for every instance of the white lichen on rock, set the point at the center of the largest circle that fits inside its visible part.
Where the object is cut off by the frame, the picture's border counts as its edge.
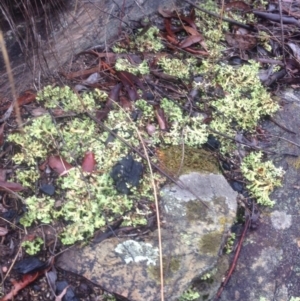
(133, 251)
(281, 220)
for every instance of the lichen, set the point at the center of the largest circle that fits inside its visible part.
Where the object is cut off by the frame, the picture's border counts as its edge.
(262, 177)
(242, 102)
(195, 210)
(148, 41)
(175, 67)
(32, 247)
(133, 251)
(125, 65)
(189, 295)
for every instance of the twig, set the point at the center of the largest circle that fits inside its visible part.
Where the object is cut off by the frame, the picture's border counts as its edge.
(222, 18)
(282, 138)
(281, 30)
(236, 255)
(11, 81)
(281, 125)
(157, 217)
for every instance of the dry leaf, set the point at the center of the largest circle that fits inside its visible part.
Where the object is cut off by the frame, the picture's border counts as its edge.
(18, 285)
(59, 165)
(3, 231)
(11, 186)
(89, 162)
(190, 41)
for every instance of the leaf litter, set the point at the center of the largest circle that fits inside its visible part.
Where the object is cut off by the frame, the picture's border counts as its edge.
(180, 34)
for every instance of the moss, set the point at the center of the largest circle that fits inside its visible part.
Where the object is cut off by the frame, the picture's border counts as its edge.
(295, 162)
(210, 243)
(194, 160)
(195, 210)
(171, 265)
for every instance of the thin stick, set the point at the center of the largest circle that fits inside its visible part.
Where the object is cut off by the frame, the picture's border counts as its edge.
(236, 255)
(146, 156)
(219, 17)
(282, 138)
(11, 80)
(157, 217)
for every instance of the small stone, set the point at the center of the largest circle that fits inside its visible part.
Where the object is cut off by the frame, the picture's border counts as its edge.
(237, 186)
(127, 172)
(48, 189)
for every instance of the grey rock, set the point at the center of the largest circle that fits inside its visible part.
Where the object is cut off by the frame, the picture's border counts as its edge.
(196, 220)
(269, 263)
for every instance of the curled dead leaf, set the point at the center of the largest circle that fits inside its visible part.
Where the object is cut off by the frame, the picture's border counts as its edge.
(59, 165)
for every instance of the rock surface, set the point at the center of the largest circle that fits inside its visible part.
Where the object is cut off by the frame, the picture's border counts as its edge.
(269, 263)
(196, 221)
(84, 24)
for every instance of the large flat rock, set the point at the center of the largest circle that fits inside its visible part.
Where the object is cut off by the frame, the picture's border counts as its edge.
(196, 219)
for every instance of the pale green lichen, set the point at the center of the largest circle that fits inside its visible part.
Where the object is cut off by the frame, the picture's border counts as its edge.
(182, 128)
(87, 202)
(175, 67)
(189, 295)
(263, 177)
(67, 100)
(32, 247)
(149, 41)
(242, 104)
(229, 243)
(206, 276)
(125, 65)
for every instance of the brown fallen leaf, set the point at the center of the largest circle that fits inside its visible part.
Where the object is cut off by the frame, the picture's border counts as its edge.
(11, 186)
(59, 165)
(18, 285)
(3, 231)
(166, 13)
(237, 5)
(89, 162)
(243, 42)
(192, 31)
(160, 116)
(187, 42)
(40, 111)
(26, 97)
